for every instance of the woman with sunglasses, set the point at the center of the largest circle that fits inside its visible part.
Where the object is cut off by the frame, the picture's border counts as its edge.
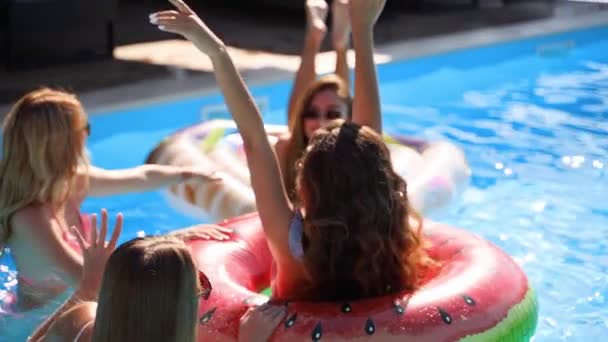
(44, 177)
(314, 102)
(150, 291)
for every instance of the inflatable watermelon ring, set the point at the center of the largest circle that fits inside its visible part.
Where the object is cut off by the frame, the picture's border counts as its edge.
(478, 294)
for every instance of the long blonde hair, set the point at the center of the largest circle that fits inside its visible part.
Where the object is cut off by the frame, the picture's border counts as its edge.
(42, 149)
(298, 141)
(149, 293)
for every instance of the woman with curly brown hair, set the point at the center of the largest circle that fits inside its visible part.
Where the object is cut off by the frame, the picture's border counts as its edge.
(349, 234)
(357, 240)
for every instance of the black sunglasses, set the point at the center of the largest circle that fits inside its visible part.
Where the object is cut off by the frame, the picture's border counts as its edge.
(87, 128)
(315, 114)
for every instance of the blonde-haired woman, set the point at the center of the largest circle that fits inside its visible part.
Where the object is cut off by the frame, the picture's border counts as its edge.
(150, 291)
(44, 177)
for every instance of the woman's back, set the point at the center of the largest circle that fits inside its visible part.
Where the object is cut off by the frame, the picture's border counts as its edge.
(35, 230)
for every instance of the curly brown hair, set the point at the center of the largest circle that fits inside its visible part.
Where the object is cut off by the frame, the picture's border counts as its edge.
(358, 238)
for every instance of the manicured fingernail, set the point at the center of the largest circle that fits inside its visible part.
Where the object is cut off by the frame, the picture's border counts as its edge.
(161, 27)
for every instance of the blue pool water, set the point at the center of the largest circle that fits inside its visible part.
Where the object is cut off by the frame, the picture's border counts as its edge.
(532, 117)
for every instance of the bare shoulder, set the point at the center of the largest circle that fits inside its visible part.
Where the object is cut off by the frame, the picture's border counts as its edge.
(30, 217)
(72, 321)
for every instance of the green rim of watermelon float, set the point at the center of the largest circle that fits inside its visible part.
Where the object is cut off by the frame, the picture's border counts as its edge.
(478, 294)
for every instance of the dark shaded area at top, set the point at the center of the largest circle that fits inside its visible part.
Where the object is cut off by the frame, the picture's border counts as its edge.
(267, 25)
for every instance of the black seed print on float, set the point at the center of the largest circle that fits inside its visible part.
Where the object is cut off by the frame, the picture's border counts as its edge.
(206, 317)
(445, 317)
(470, 301)
(399, 309)
(291, 320)
(370, 327)
(317, 332)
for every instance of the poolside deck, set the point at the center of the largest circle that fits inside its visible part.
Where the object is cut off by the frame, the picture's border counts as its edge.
(149, 63)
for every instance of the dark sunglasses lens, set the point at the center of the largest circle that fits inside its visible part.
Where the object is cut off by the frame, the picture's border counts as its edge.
(333, 115)
(87, 128)
(310, 114)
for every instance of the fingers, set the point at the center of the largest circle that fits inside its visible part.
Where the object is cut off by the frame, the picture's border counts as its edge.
(274, 313)
(277, 313)
(181, 6)
(203, 236)
(219, 232)
(116, 232)
(169, 28)
(218, 228)
(93, 236)
(101, 239)
(264, 307)
(169, 21)
(211, 231)
(191, 236)
(226, 230)
(220, 236)
(79, 238)
(163, 13)
(247, 315)
(154, 18)
(168, 25)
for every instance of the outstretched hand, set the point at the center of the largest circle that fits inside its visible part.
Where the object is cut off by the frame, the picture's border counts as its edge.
(258, 324)
(316, 12)
(204, 232)
(96, 252)
(184, 21)
(200, 174)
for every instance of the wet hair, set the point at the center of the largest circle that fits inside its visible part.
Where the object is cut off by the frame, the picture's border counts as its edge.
(361, 237)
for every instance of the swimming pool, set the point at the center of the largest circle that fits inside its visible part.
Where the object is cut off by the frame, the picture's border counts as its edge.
(532, 117)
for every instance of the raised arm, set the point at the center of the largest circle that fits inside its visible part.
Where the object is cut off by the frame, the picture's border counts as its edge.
(341, 37)
(147, 177)
(78, 311)
(316, 12)
(272, 202)
(366, 99)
